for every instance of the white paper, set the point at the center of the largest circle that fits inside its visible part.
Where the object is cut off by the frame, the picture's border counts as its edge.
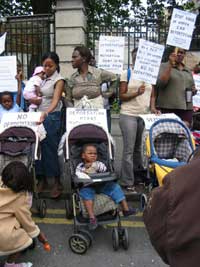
(111, 53)
(196, 78)
(149, 119)
(2, 42)
(77, 117)
(181, 28)
(8, 71)
(23, 119)
(148, 61)
(196, 101)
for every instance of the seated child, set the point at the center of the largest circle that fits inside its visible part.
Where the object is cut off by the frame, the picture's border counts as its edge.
(32, 88)
(7, 104)
(17, 228)
(111, 189)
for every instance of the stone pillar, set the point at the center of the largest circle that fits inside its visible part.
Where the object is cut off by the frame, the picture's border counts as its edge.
(70, 30)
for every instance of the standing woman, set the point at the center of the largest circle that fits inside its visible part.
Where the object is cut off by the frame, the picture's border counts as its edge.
(50, 107)
(135, 98)
(87, 80)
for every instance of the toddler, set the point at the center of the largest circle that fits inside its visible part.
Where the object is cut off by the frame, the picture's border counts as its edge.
(32, 88)
(7, 104)
(17, 228)
(111, 189)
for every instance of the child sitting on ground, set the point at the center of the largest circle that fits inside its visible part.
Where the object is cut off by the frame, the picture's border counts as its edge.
(113, 190)
(17, 228)
(32, 88)
(7, 104)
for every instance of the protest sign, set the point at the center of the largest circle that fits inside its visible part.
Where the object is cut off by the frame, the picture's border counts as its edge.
(111, 53)
(149, 119)
(196, 78)
(21, 119)
(8, 71)
(196, 100)
(181, 28)
(77, 117)
(148, 61)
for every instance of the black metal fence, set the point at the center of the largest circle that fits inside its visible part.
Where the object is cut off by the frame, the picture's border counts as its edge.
(151, 30)
(29, 37)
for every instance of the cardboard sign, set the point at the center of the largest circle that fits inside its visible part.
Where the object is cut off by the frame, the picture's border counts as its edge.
(196, 78)
(149, 119)
(77, 117)
(23, 119)
(8, 71)
(111, 53)
(181, 28)
(148, 61)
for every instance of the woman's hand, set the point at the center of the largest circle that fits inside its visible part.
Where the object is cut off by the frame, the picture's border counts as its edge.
(37, 101)
(156, 111)
(43, 117)
(141, 90)
(172, 59)
(194, 90)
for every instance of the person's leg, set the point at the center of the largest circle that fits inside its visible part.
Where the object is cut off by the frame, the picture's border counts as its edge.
(108, 119)
(137, 154)
(128, 125)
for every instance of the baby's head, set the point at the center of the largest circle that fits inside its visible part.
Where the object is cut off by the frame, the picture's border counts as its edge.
(6, 100)
(17, 177)
(89, 153)
(39, 71)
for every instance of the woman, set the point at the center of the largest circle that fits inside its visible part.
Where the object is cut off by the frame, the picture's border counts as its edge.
(87, 80)
(173, 83)
(50, 107)
(135, 98)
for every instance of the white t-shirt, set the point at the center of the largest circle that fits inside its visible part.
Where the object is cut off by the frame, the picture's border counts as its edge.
(139, 104)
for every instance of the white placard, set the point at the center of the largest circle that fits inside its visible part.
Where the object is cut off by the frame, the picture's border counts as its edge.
(2, 42)
(8, 71)
(111, 53)
(181, 28)
(148, 61)
(149, 119)
(196, 78)
(23, 119)
(196, 100)
(77, 117)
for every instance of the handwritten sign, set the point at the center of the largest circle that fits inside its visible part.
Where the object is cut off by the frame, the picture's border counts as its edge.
(8, 71)
(149, 119)
(196, 100)
(148, 61)
(196, 78)
(111, 53)
(77, 117)
(22, 119)
(181, 28)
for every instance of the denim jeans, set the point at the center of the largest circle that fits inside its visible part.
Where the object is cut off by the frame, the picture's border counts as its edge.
(48, 166)
(111, 189)
(132, 129)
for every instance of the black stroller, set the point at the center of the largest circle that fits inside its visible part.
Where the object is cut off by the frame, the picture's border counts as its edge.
(105, 209)
(21, 144)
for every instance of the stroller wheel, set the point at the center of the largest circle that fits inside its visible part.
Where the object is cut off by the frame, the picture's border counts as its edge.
(143, 201)
(124, 239)
(42, 208)
(115, 239)
(78, 243)
(69, 208)
(87, 235)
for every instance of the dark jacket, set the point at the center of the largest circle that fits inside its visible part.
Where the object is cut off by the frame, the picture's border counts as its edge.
(172, 217)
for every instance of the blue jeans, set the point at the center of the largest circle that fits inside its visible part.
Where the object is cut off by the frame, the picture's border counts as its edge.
(48, 166)
(132, 128)
(111, 189)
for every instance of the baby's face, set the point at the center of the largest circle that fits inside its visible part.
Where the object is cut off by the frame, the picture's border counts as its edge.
(90, 154)
(7, 102)
(41, 75)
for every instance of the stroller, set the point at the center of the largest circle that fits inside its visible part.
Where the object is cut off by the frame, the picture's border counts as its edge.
(21, 144)
(105, 209)
(169, 145)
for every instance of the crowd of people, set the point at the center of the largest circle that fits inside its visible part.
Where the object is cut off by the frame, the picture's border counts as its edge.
(44, 92)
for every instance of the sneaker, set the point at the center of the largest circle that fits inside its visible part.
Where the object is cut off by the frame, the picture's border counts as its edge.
(130, 189)
(92, 224)
(23, 264)
(129, 212)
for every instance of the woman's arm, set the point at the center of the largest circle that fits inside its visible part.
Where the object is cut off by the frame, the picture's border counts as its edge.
(124, 95)
(153, 102)
(166, 72)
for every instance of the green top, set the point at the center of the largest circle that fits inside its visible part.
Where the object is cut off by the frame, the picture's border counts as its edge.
(171, 95)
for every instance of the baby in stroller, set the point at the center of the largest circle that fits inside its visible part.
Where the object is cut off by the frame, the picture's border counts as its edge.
(90, 165)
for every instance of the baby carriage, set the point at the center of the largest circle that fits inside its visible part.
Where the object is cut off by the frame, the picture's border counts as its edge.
(21, 144)
(169, 145)
(105, 209)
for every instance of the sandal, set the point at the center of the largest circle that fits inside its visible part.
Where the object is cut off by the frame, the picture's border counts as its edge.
(57, 191)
